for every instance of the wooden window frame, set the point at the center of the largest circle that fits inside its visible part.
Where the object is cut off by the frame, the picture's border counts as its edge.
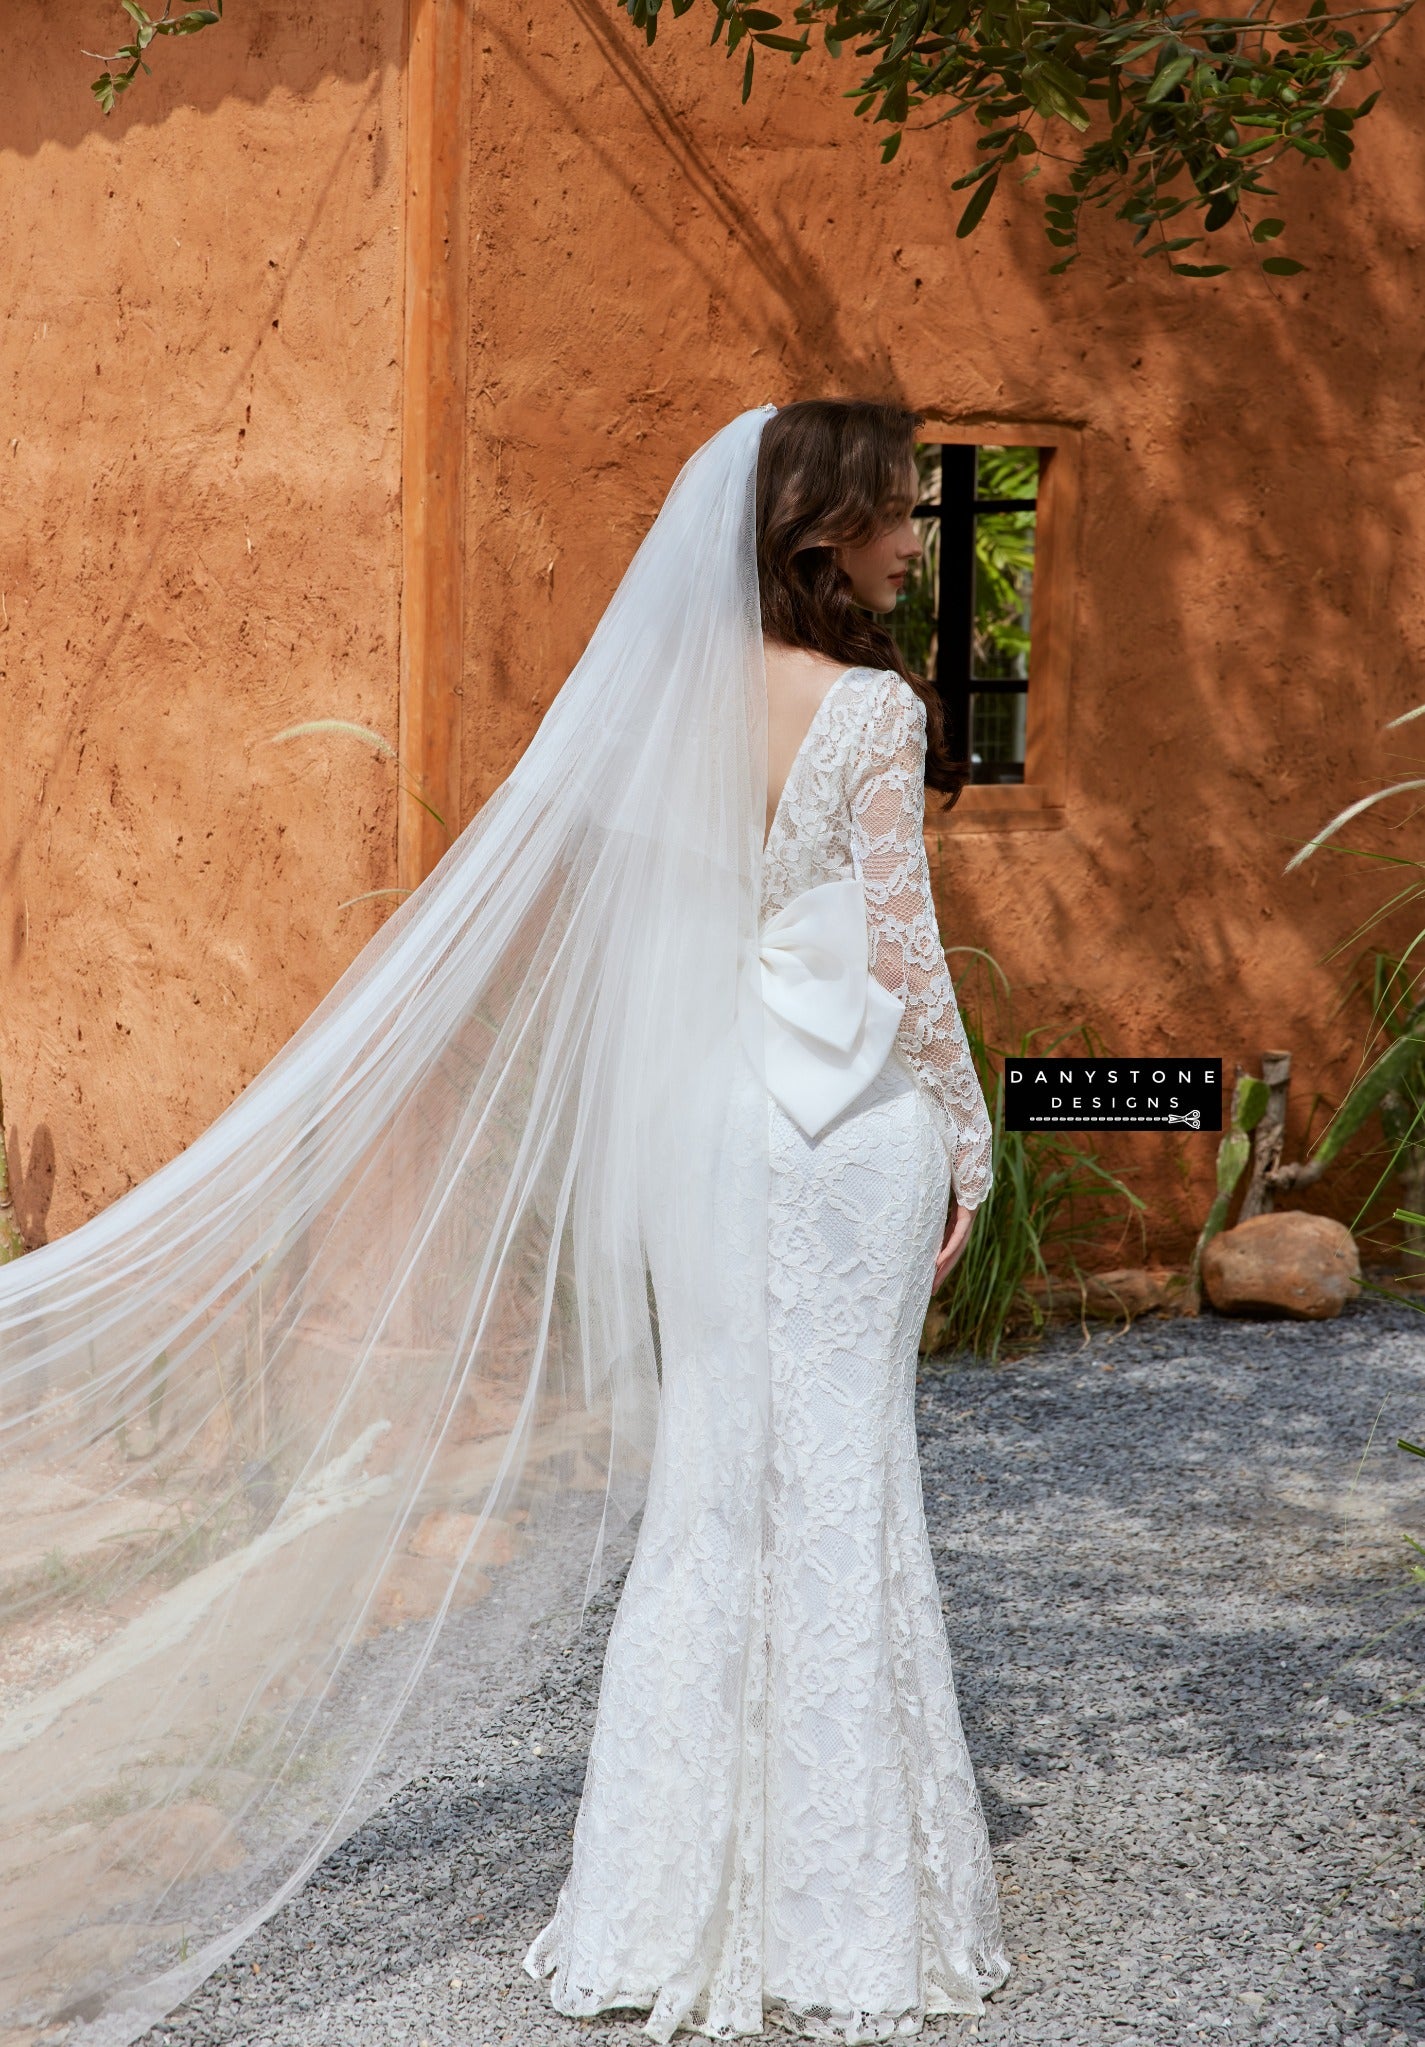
(1038, 802)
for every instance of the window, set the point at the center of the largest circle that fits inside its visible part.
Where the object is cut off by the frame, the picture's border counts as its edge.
(984, 614)
(967, 614)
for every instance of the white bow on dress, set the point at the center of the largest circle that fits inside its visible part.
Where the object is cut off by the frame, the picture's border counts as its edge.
(827, 1023)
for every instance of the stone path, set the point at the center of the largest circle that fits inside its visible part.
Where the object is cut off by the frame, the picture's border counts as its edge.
(1170, 1558)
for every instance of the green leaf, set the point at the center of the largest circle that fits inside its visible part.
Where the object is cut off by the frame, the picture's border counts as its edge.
(757, 17)
(891, 144)
(1414, 1448)
(1267, 230)
(747, 73)
(1282, 266)
(974, 212)
(1172, 73)
(1232, 1156)
(1396, 1067)
(1199, 269)
(895, 106)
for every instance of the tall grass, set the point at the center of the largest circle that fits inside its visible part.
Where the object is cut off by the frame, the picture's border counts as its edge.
(1050, 1200)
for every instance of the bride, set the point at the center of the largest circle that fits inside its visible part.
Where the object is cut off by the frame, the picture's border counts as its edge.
(826, 1856)
(610, 1180)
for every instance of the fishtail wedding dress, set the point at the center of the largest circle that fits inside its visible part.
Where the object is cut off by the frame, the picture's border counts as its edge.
(779, 1822)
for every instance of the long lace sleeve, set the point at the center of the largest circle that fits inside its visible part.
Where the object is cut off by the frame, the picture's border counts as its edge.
(887, 798)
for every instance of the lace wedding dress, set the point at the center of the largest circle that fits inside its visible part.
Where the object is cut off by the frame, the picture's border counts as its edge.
(780, 1824)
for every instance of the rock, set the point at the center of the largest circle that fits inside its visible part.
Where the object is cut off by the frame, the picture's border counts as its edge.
(415, 1581)
(413, 1588)
(1128, 1290)
(1287, 1263)
(444, 1536)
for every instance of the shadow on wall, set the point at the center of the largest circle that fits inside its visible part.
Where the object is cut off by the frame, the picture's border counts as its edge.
(1250, 608)
(257, 51)
(32, 1183)
(807, 328)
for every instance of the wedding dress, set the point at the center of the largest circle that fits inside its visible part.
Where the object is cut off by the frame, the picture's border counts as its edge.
(780, 1822)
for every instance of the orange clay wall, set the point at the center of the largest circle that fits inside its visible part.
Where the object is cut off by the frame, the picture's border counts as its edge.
(200, 387)
(201, 368)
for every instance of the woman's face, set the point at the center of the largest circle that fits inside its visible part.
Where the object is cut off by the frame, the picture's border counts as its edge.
(878, 567)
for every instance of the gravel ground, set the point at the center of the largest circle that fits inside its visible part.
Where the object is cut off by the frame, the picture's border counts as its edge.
(1168, 1554)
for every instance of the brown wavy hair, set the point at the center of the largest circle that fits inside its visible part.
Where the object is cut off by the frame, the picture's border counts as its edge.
(827, 469)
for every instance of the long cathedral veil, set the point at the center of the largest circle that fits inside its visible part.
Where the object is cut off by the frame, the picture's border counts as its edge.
(319, 1440)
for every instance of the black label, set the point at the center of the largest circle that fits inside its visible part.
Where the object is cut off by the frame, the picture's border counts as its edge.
(1113, 1094)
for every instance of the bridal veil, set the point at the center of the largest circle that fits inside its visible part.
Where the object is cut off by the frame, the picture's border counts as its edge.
(315, 1443)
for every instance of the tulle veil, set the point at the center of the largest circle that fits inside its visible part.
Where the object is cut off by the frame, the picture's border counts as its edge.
(318, 1441)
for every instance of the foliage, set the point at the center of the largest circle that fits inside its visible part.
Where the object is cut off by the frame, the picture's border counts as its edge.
(1249, 1101)
(1392, 1080)
(1004, 567)
(1004, 562)
(112, 82)
(1155, 109)
(1394, 1084)
(1032, 1207)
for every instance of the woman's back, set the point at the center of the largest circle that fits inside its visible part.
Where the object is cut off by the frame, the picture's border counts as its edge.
(797, 680)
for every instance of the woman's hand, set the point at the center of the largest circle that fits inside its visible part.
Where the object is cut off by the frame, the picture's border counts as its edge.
(957, 1234)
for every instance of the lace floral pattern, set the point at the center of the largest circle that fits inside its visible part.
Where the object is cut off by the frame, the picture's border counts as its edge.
(854, 804)
(780, 1827)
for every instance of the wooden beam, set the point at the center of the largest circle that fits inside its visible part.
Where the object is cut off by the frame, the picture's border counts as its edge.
(433, 432)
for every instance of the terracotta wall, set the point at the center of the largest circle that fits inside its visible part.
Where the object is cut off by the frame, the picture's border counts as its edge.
(645, 257)
(199, 546)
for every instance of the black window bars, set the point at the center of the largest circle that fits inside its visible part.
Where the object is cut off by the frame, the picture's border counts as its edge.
(957, 511)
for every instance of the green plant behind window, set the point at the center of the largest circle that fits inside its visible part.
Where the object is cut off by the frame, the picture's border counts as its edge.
(1004, 568)
(1004, 564)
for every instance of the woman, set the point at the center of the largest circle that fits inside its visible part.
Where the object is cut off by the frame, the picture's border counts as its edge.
(613, 1169)
(823, 1856)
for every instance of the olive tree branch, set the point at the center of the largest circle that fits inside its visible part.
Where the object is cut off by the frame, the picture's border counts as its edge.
(111, 82)
(1170, 110)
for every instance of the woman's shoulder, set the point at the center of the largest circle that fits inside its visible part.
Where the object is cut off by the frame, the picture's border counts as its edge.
(890, 700)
